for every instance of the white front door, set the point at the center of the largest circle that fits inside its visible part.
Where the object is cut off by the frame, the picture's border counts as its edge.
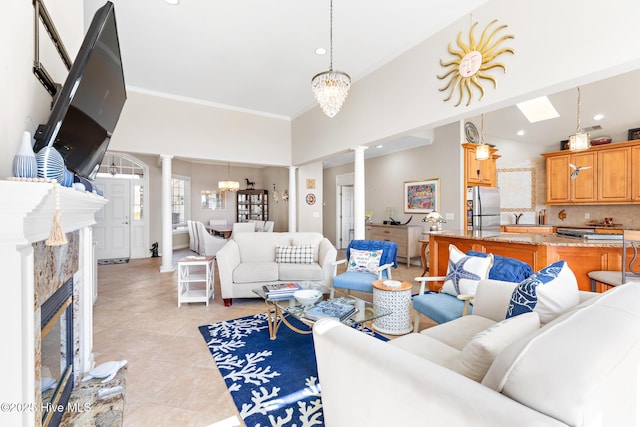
(112, 232)
(346, 215)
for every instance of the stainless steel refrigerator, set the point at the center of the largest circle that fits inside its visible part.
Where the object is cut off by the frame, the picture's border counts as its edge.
(483, 209)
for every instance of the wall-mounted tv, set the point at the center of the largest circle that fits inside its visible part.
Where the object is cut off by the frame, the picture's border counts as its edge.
(87, 107)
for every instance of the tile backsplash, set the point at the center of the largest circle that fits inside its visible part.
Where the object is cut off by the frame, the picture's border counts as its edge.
(628, 216)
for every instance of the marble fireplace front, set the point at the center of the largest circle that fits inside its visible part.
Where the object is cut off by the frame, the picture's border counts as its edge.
(33, 272)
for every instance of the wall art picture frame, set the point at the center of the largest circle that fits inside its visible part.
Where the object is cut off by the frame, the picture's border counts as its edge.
(634, 134)
(215, 200)
(422, 196)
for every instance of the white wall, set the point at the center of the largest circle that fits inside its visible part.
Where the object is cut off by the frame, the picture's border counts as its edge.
(310, 215)
(159, 125)
(25, 103)
(554, 51)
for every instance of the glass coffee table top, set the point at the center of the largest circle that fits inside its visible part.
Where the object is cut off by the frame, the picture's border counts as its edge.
(281, 308)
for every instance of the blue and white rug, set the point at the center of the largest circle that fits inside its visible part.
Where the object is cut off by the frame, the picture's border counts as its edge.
(273, 383)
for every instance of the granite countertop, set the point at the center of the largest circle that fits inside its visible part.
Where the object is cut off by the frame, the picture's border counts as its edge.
(528, 239)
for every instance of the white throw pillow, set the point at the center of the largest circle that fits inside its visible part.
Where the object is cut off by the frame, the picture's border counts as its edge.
(364, 261)
(478, 355)
(294, 254)
(464, 272)
(550, 292)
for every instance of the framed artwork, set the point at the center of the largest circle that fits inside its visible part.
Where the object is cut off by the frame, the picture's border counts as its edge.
(213, 199)
(311, 184)
(634, 134)
(422, 196)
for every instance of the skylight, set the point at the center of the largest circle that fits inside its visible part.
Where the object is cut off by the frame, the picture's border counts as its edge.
(538, 109)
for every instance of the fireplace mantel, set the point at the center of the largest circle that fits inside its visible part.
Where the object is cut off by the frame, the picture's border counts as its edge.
(26, 216)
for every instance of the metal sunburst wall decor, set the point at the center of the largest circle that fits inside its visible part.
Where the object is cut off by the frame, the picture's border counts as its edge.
(473, 60)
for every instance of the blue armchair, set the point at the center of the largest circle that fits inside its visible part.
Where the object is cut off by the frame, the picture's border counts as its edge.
(441, 307)
(362, 280)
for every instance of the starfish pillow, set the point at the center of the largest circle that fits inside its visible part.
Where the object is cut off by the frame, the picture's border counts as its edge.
(464, 272)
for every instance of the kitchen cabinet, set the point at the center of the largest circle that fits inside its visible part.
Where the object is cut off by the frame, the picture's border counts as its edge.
(635, 173)
(607, 174)
(479, 172)
(614, 175)
(531, 229)
(405, 236)
(562, 188)
(252, 205)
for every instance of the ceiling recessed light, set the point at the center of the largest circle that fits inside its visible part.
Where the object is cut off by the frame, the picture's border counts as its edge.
(598, 117)
(172, 2)
(520, 133)
(321, 51)
(379, 146)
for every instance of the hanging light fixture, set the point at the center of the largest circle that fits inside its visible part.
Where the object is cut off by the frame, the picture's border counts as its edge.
(113, 169)
(482, 149)
(331, 87)
(579, 141)
(228, 185)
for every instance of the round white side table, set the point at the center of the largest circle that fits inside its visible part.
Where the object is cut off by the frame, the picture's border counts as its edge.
(398, 300)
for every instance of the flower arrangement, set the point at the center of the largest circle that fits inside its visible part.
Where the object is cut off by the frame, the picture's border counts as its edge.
(435, 219)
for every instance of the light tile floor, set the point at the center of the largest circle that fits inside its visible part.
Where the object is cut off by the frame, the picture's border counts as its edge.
(172, 379)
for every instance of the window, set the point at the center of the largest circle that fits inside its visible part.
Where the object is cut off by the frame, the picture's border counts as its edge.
(180, 201)
(138, 202)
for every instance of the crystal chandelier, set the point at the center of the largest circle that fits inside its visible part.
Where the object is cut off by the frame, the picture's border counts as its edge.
(579, 141)
(228, 185)
(331, 87)
(482, 149)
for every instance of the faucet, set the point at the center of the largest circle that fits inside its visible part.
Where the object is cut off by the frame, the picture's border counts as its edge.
(518, 216)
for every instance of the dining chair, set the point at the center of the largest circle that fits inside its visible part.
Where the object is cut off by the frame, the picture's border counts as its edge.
(629, 270)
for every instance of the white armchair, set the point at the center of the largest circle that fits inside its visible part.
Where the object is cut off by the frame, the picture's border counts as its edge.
(209, 245)
(243, 227)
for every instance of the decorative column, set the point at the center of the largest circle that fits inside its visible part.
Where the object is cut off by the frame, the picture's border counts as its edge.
(358, 193)
(293, 199)
(167, 231)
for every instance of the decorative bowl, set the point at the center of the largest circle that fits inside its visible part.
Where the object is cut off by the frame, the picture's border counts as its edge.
(307, 296)
(601, 141)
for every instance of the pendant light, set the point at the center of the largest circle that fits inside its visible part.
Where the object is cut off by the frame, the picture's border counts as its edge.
(228, 185)
(331, 87)
(482, 149)
(579, 141)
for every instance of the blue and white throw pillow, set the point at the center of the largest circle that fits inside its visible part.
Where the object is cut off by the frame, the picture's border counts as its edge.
(550, 292)
(464, 272)
(364, 261)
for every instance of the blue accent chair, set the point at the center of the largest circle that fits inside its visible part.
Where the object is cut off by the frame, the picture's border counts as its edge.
(441, 307)
(362, 281)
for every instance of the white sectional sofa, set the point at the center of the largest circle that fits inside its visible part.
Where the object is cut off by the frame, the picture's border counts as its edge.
(580, 369)
(249, 261)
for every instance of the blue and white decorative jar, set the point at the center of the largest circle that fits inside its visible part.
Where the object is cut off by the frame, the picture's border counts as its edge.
(67, 179)
(24, 162)
(50, 164)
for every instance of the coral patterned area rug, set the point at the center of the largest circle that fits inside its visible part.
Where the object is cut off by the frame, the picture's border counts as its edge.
(273, 383)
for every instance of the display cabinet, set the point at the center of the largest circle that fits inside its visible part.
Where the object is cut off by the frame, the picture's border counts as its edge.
(252, 205)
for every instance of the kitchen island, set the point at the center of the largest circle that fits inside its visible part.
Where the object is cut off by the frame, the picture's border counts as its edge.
(537, 250)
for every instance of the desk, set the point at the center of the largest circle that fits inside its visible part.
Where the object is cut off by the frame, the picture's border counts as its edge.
(219, 230)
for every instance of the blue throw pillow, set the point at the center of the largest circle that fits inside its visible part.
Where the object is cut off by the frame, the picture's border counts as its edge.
(505, 268)
(550, 292)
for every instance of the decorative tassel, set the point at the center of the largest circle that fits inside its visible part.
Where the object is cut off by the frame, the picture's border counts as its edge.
(57, 237)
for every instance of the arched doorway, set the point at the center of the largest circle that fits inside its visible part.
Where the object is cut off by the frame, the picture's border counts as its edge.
(122, 229)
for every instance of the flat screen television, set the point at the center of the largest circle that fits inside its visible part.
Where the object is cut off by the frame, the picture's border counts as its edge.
(87, 107)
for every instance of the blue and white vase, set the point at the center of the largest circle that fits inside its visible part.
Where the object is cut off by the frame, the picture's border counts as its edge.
(24, 162)
(50, 164)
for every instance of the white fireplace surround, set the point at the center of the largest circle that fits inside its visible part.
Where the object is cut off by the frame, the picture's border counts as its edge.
(26, 215)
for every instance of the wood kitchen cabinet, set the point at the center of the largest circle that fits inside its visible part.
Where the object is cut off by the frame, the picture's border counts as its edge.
(635, 173)
(610, 175)
(614, 175)
(561, 188)
(479, 172)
